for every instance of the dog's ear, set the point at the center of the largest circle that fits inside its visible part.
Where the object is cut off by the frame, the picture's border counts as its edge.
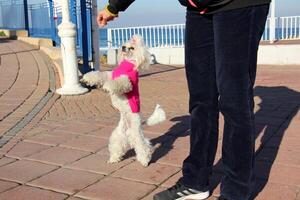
(137, 40)
(141, 53)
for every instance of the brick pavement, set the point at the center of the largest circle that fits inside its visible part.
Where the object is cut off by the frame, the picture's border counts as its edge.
(64, 155)
(25, 86)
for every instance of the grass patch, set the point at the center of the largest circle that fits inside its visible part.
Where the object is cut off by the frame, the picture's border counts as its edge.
(2, 33)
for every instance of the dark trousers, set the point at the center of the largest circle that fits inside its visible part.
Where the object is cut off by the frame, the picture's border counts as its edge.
(221, 57)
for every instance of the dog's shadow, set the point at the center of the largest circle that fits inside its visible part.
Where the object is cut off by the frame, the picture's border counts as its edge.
(164, 143)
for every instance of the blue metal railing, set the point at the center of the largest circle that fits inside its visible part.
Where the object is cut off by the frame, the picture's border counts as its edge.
(44, 18)
(12, 14)
(39, 20)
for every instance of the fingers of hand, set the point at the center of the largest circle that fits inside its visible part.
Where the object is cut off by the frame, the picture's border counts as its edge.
(103, 18)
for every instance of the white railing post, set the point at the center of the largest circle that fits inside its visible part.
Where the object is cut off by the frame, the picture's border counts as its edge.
(273, 23)
(109, 38)
(67, 33)
(95, 36)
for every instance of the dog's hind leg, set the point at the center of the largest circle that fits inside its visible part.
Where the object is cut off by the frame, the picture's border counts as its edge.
(118, 142)
(141, 145)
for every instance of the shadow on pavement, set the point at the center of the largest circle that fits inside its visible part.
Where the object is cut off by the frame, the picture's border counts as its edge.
(277, 107)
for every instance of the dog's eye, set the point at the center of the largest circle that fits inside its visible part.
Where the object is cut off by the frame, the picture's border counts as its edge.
(126, 49)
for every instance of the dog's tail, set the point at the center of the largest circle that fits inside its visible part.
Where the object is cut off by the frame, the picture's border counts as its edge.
(157, 116)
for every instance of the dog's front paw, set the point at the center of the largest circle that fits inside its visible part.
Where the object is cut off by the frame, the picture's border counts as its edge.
(113, 160)
(145, 163)
(92, 79)
(107, 86)
(144, 160)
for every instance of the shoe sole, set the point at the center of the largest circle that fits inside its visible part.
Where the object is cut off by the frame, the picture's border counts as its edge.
(199, 196)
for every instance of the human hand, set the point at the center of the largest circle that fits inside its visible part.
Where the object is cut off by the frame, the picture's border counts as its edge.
(103, 17)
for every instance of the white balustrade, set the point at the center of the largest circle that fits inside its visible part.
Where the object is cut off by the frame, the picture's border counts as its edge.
(173, 35)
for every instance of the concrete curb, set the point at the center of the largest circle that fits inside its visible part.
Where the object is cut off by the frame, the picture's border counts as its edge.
(37, 42)
(55, 55)
(15, 33)
(45, 45)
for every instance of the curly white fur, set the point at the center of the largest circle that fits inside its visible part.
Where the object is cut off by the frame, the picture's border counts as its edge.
(128, 133)
(120, 85)
(157, 116)
(96, 78)
(140, 56)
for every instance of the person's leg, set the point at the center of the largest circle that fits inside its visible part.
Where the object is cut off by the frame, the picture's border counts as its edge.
(203, 105)
(237, 34)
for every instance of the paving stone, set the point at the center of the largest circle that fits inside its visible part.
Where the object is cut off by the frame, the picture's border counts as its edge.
(298, 196)
(274, 191)
(74, 198)
(277, 173)
(173, 157)
(103, 132)
(153, 174)
(150, 196)
(279, 156)
(77, 127)
(6, 185)
(58, 155)
(48, 125)
(114, 188)
(23, 171)
(31, 193)
(86, 143)
(288, 144)
(97, 163)
(179, 142)
(66, 180)
(5, 161)
(172, 180)
(103, 151)
(50, 138)
(24, 149)
(166, 127)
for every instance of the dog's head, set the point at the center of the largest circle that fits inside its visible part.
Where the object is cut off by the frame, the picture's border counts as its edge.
(135, 51)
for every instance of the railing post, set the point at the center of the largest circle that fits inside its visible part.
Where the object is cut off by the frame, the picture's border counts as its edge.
(273, 23)
(95, 36)
(67, 32)
(85, 49)
(51, 13)
(109, 38)
(26, 15)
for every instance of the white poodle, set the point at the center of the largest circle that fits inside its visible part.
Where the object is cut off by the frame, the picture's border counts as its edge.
(122, 86)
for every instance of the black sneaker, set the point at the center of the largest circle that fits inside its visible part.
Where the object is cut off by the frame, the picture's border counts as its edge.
(181, 192)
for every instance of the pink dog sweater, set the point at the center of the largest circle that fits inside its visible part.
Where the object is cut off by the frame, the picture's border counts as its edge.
(127, 68)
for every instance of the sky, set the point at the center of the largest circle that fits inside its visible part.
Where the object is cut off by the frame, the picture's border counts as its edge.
(159, 12)
(154, 12)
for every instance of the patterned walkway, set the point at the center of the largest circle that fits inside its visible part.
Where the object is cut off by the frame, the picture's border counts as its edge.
(62, 152)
